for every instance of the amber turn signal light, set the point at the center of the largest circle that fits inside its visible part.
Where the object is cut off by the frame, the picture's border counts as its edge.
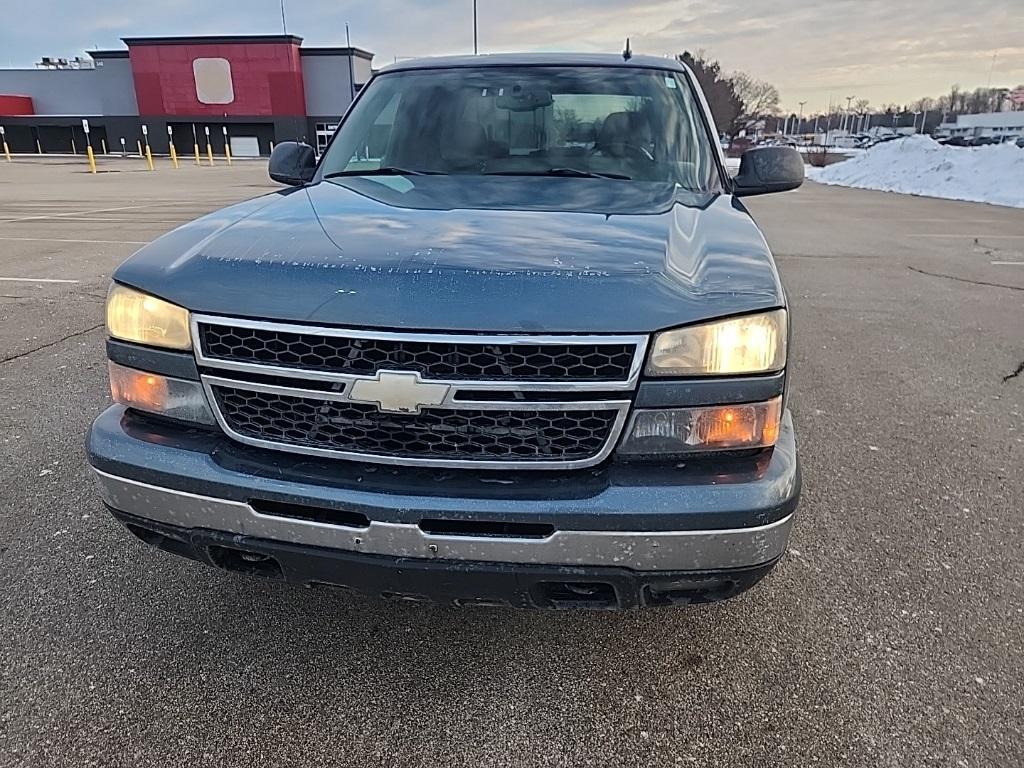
(674, 431)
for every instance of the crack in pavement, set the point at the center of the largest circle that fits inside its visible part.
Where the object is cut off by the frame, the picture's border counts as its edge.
(56, 299)
(1019, 370)
(966, 280)
(50, 344)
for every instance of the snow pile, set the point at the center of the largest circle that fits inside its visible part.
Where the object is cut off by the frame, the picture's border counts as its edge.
(917, 165)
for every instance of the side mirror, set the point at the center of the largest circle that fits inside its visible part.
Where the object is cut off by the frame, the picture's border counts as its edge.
(768, 169)
(292, 163)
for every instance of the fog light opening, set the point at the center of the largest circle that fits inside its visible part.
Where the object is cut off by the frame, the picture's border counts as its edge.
(245, 561)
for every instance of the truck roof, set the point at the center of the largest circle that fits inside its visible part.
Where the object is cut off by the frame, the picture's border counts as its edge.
(537, 60)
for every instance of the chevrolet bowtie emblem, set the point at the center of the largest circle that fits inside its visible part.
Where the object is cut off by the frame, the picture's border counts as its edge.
(398, 392)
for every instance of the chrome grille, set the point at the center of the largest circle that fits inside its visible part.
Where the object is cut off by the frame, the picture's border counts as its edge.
(483, 360)
(540, 402)
(465, 434)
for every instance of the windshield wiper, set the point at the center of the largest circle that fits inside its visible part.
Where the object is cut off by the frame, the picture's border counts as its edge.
(567, 172)
(388, 170)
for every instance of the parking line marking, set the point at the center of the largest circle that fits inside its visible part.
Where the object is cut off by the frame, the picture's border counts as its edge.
(35, 280)
(77, 213)
(937, 221)
(1008, 263)
(61, 240)
(983, 236)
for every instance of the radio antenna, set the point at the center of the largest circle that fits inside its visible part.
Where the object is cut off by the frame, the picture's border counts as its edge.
(627, 54)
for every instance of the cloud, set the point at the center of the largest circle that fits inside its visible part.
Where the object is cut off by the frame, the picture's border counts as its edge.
(876, 49)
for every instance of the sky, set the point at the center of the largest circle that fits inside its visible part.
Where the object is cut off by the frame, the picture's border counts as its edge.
(886, 52)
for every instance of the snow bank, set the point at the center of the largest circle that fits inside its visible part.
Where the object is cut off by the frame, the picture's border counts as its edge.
(917, 165)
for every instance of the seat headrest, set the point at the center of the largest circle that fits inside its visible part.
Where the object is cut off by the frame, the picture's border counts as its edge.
(621, 130)
(466, 144)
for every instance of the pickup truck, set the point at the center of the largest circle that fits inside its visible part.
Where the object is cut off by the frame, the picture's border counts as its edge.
(513, 340)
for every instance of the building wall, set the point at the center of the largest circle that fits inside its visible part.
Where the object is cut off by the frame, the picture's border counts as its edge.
(363, 69)
(105, 90)
(996, 124)
(115, 86)
(327, 84)
(266, 78)
(56, 91)
(991, 120)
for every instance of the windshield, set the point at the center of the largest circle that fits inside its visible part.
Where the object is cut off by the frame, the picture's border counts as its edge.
(612, 122)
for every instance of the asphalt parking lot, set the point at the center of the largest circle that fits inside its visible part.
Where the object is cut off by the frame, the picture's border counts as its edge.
(892, 634)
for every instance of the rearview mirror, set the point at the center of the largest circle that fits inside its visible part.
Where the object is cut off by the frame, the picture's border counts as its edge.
(768, 169)
(520, 99)
(292, 162)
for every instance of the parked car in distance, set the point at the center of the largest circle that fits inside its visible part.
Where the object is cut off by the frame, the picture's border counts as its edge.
(513, 340)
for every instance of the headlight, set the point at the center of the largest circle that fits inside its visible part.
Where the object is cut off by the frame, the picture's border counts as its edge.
(153, 393)
(136, 316)
(681, 431)
(739, 345)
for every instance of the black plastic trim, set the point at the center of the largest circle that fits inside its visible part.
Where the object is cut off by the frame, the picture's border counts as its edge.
(180, 365)
(683, 394)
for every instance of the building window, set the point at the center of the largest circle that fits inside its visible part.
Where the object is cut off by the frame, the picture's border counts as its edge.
(324, 131)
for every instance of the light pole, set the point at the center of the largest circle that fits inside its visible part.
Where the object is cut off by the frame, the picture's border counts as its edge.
(476, 47)
(846, 117)
(351, 69)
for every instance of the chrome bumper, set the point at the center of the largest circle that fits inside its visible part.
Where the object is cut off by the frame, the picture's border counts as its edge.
(637, 550)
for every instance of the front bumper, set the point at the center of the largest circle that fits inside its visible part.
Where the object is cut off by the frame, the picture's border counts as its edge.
(621, 526)
(456, 582)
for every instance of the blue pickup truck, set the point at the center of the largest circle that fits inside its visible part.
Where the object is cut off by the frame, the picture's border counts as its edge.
(512, 340)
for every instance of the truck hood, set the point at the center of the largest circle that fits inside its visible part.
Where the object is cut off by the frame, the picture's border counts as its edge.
(469, 254)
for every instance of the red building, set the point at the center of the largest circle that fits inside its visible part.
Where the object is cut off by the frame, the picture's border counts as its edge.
(253, 90)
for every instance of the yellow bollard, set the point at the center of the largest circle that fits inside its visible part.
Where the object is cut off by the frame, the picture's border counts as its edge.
(92, 158)
(103, 143)
(227, 153)
(209, 151)
(196, 148)
(174, 155)
(139, 145)
(149, 157)
(7, 150)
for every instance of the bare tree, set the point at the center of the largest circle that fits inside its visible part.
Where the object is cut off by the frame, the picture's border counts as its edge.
(718, 89)
(759, 99)
(955, 99)
(737, 100)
